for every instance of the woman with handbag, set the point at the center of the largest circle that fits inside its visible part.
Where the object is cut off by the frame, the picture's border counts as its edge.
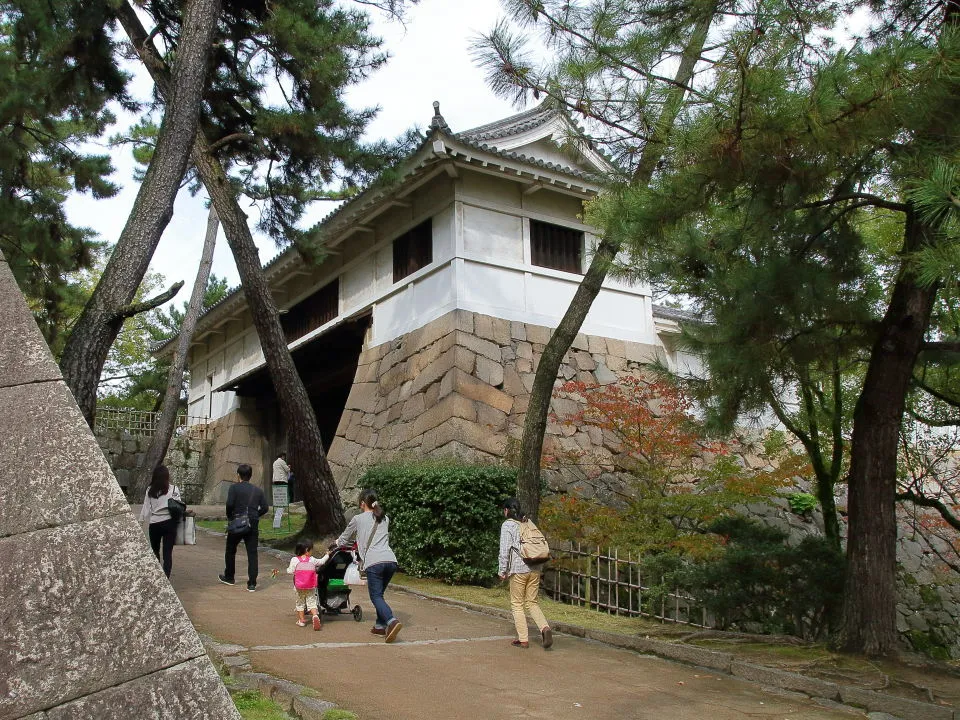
(156, 510)
(371, 530)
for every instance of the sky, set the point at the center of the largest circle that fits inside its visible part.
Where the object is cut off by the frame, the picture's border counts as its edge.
(430, 60)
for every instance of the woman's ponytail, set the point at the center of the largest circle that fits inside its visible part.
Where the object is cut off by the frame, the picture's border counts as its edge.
(369, 498)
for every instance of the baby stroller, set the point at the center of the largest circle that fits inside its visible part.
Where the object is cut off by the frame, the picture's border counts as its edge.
(333, 595)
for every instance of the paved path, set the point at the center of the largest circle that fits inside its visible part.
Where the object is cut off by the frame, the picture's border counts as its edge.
(450, 663)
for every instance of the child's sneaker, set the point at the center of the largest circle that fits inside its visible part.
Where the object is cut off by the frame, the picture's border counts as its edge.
(317, 623)
(301, 623)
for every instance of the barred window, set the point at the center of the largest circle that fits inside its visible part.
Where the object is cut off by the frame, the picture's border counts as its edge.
(413, 250)
(556, 247)
(312, 312)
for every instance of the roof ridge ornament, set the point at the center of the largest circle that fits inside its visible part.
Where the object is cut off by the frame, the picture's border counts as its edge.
(437, 122)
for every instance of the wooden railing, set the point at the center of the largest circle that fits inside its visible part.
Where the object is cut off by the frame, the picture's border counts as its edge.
(609, 582)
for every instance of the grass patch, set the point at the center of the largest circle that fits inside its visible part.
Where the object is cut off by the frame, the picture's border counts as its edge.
(338, 714)
(254, 706)
(499, 597)
(267, 532)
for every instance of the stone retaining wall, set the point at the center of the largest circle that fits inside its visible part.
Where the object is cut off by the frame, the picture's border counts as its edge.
(76, 567)
(186, 460)
(459, 386)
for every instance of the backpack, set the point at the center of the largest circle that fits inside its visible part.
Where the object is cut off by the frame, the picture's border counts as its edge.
(305, 575)
(534, 549)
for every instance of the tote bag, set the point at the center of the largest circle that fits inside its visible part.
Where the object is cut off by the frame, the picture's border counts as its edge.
(186, 531)
(351, 575)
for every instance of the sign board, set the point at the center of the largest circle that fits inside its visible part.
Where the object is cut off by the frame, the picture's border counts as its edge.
(277, 516)
(280, 496)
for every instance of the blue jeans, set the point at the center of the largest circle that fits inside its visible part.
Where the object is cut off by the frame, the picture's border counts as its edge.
(378, 577)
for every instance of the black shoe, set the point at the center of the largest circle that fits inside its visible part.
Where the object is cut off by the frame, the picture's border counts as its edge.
(223, 579)
(547, 637)
(251, 587)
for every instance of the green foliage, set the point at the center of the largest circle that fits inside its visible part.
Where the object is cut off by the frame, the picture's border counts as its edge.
(760, 582)
(338, 714)
(444, 519)
(132, 376)
(802, 503)
(254, 706)
(58, 72)
(276, 110)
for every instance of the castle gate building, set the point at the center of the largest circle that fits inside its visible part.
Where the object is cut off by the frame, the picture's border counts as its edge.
(420, 332)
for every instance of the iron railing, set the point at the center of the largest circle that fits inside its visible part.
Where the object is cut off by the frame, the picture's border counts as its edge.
(143, 422)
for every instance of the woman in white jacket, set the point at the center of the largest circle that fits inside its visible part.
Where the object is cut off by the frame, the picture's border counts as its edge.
(155, 510)
(524, 580)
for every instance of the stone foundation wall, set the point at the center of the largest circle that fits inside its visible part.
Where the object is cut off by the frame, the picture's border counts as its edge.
(186, 460)
(235, 439)
(459, 386)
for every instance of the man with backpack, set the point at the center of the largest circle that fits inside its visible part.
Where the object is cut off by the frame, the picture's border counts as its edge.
(246, 504)
(523, 551)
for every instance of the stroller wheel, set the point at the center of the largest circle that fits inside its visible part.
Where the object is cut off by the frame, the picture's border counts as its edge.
(357, 613)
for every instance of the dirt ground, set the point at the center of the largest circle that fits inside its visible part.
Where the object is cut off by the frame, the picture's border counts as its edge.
(452, 663)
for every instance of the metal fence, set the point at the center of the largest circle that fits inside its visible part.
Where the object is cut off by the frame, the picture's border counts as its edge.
(608, 582)
(142, 422)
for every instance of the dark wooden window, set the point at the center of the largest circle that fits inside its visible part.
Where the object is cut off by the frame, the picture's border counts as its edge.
(413, 250)
(312, 312)
(556, 247)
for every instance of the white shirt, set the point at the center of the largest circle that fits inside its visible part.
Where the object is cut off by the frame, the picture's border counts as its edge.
(281, 471)
(155, 509)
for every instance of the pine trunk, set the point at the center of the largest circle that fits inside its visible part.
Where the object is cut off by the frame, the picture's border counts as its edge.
(320, 497)
(171, 399)
(96, 329)
(535, 423)
(314, 477)
(869, 611)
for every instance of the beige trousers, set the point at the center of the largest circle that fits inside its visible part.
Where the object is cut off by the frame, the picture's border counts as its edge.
(523, 599)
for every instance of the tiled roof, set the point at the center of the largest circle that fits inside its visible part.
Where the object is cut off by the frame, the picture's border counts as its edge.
(670, 313)
(513, 125)
(473, 138)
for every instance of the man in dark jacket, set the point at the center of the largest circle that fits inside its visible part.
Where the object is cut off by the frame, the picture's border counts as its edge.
(248, 499)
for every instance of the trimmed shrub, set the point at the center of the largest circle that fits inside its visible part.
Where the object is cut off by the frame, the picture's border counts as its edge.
(760, 583)
(444, 519)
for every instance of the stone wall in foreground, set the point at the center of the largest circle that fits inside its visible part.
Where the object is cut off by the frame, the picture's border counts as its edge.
(91, 627)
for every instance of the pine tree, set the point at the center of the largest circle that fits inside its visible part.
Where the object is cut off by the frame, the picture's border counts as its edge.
(283, 157)
(794, 218)
(58, 72)
(96, 329)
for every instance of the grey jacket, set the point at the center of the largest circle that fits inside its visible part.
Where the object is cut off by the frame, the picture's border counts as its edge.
(359, 529)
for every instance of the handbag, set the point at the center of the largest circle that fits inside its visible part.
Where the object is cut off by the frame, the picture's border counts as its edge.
(177, 509)
(239, 524)
(186, 531)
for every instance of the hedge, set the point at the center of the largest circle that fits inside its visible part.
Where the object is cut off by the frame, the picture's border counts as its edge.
(444, 516)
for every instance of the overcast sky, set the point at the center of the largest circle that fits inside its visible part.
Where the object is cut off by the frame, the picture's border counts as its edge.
(429, 61)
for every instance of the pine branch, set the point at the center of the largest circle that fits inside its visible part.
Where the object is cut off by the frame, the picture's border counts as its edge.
(932, 422)
(924, 501)
(869, 198)
(128, 311)
(953, 402)
(953, 347)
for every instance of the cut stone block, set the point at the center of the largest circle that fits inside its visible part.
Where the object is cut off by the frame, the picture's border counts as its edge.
(73, 597)
(189, 691)
(51, 469)
(24, 357)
